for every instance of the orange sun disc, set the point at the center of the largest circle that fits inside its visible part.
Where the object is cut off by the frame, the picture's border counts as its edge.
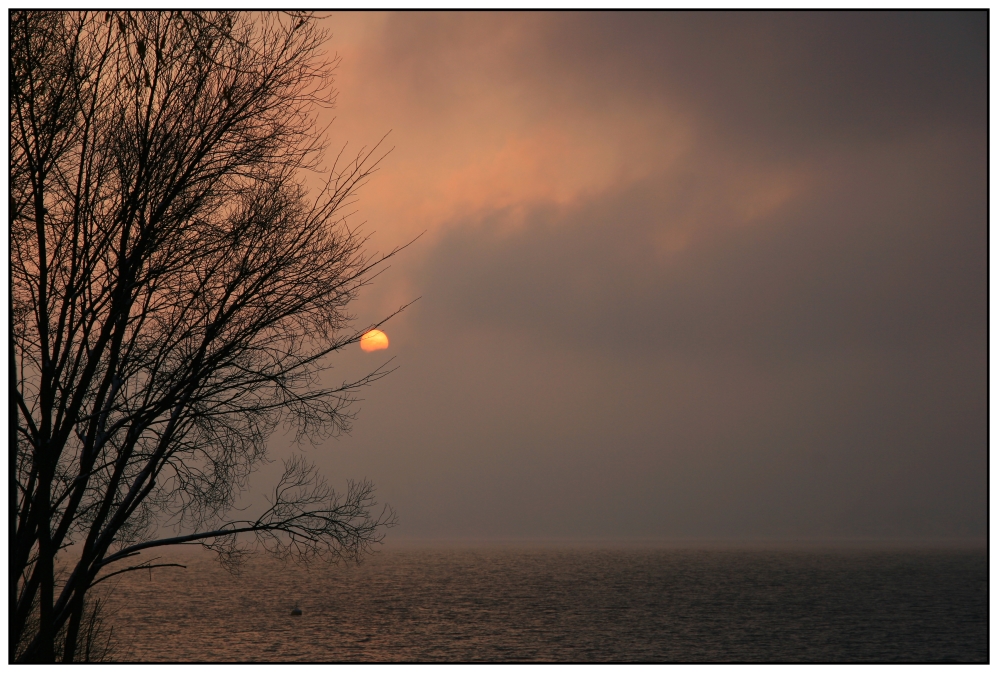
(375, 340)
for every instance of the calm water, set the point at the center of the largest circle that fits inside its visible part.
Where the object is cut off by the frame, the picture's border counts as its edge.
(565, 605)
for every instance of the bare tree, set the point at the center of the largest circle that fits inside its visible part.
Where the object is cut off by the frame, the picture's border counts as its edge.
(175, 288)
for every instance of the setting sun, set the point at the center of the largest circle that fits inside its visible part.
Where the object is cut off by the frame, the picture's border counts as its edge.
(375, 340)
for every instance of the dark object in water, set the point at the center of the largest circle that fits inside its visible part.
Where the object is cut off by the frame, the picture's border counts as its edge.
(296, 611)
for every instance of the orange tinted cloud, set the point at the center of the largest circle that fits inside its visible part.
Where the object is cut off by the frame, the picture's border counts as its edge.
(470, 133)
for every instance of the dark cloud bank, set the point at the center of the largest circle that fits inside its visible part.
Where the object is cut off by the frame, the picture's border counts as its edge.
(819, 371)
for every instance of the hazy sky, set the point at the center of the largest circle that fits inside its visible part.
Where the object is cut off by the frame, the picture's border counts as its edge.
(684, 274)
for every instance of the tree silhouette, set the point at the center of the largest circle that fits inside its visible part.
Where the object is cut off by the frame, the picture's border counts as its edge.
(175, 288)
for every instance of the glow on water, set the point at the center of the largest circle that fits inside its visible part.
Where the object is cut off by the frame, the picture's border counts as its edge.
(569, 605)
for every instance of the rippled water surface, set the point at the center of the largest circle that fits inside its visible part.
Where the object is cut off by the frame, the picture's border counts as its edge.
(566, 605)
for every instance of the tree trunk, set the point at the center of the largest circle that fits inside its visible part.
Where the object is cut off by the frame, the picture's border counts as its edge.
(73, 630)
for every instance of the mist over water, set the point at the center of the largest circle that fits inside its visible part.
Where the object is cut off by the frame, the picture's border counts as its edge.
(564, 605)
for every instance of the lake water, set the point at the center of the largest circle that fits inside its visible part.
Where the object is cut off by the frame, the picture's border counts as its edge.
(564, 605)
